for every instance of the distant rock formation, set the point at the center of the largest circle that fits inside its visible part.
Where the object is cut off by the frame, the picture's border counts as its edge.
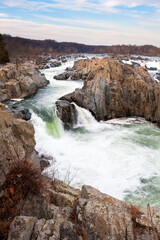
(113, 89)
(19, 81)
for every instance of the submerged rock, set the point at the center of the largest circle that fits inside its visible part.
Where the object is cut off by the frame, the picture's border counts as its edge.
(135, 64)
(158, 76)
(152, 69)
(55, 64)
(62, 76)
(113, 89)
(67, 113)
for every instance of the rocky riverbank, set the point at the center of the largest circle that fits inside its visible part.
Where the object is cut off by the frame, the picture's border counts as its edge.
(16, 142)
(20, 80)
(80, 215)
(113, 89)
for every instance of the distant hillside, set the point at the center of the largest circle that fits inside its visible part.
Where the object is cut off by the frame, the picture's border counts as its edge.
(22, 47)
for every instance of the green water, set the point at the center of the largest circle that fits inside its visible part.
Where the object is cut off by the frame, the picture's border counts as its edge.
(54, 128)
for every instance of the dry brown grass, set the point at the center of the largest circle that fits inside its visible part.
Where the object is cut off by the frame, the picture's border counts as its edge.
(22, 179)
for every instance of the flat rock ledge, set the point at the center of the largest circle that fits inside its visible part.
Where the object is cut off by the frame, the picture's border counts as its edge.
(83, 215)
(19, 81)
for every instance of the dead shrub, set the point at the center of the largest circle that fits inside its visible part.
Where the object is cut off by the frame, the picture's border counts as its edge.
(22, 179)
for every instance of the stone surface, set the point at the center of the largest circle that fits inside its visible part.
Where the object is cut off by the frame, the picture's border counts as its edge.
(2, 106)
(67, 113)
(16, 142)
(37, 206)
(113, 89)
(24, 114)
(18, 81)
(55, 64)
(94, 215)
(62, 194)
(21, 228)
(50, 229)
(68, 231)
(62, 76)
(103, 217)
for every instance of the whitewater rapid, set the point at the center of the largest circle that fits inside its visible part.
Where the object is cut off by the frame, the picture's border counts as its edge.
(118, 158)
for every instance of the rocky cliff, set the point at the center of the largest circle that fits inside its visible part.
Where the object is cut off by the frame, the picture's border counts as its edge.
(16, 142)
(113, 89)
(19, 81)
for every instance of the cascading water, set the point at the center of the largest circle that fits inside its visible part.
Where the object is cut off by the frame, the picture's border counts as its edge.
(118, 158)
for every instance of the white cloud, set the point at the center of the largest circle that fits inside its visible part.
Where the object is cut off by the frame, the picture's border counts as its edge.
(4, 15)
(35, 30)
(84, 5)
(82, 22)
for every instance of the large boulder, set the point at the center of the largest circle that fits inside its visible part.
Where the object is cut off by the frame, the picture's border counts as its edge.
(113, 89)
(100, 216)
(67, 113)
(62, 76)
(18, 81)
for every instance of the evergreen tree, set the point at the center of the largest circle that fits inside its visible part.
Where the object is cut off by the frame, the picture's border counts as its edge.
(4, 57)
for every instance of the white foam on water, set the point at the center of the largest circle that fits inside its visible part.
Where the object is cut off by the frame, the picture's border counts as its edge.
(106, 158)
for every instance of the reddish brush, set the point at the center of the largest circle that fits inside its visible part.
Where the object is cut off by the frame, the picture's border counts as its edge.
(22, 179)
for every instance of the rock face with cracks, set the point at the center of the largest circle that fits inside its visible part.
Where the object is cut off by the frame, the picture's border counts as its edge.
(16, 142)
(91, 216)
(19, 81)
(113, 89)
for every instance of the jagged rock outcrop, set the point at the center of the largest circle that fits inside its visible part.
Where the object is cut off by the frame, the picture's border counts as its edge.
(67, 113)
(113, 89)
(93, 215)
(19, 81)
(16, 142)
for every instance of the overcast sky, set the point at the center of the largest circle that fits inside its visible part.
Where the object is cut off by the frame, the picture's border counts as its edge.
(104, 22)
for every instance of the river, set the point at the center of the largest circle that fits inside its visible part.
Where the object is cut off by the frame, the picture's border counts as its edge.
(119, 158)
